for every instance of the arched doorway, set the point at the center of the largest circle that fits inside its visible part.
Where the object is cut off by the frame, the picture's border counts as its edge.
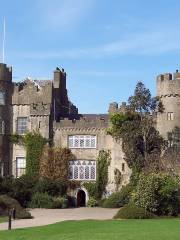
(81, 198)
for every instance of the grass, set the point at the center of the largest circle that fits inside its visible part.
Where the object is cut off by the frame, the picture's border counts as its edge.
(163, 229)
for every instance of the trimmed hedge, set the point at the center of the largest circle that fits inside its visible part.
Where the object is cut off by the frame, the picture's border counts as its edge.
(131, 211)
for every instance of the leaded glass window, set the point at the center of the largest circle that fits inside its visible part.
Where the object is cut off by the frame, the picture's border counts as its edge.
(82, 170)
(82, 141)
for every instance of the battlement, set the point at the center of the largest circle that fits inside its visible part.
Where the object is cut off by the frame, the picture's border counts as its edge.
(113, 107)
(168, 84)
(82, 123)
(29, 92)
(5, 72)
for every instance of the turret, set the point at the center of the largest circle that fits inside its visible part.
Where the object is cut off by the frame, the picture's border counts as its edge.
(5, 117)
(113, 107)
(168, 90)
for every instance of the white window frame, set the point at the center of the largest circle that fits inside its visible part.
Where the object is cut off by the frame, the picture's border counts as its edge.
(22, 128)
(2, 98)
(82, 141)
(20, 168)
(77, 170)
(170, 116)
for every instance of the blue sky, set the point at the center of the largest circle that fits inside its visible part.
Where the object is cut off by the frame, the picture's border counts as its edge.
(105, 46)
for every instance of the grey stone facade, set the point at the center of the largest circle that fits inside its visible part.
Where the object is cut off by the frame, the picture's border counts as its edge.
(168, 90)
(44, 106)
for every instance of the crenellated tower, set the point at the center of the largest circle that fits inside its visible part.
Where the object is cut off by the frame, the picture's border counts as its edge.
(168, 90)
(5, 117)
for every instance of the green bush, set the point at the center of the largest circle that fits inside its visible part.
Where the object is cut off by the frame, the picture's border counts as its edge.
(131, 211)
(60, 202)
(23, 189)
(92, 202)
(6, 185)
(7, 203)
(44, 200)
(52, 187)
(158, 193)
(118, 199)
(41, 200)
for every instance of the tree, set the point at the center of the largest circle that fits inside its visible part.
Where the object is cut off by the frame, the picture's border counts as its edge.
(142, 101)
(54, 163)
(141, 142)
(171, 156)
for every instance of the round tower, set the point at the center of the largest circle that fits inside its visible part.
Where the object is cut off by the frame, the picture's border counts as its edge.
(168, 90)
(5, 118)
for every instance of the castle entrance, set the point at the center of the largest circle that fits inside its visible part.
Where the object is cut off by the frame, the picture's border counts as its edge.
(81, 198)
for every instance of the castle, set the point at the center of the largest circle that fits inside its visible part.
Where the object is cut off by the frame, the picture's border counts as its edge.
(43, 105)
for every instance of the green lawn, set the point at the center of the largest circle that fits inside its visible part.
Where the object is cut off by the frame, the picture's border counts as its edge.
(164, 229)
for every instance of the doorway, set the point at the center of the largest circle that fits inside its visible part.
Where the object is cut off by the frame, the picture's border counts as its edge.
(81, 198)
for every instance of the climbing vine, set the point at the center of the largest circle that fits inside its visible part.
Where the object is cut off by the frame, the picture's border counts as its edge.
(34, 144)
(117, 178)
(97, 188)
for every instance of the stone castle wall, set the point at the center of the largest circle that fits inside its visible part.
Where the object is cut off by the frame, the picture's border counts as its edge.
(168, 90)
(63, 130)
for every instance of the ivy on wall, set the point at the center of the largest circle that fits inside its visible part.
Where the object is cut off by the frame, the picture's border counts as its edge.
(97, 188)
(34, 144)
(117, 178)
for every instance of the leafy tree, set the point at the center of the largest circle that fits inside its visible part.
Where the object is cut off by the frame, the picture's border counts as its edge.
(54, 163)
(142, 101)
(171, 157)
(141, 142)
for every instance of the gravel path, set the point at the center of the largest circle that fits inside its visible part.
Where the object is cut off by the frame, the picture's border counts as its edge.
(49, 216)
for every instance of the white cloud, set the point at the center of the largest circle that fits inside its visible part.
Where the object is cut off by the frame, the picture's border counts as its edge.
(142, 43)
(63, 14)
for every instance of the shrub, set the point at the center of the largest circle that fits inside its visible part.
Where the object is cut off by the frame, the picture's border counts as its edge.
(131, 211)
(60, 202)
(41, 200)
(23, 189)
(8, 203)
(118, 199)
(158, 193)
(6, 185)
(92, 202)
(52, 187)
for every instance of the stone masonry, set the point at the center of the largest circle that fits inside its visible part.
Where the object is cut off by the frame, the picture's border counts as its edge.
(44, 106)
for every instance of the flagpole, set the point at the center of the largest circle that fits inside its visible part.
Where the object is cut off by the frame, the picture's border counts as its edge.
(4, 36)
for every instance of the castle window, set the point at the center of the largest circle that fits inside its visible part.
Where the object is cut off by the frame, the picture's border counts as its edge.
(170, 116)
(82, 141)
(2, 127)
(22, 125)
(82, 170)
(123, 167)
(2, 98)
(20, 166)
